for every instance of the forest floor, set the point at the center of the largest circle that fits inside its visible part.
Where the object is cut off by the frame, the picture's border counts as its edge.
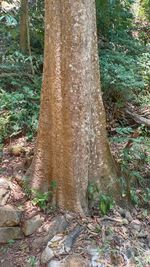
(120, 238)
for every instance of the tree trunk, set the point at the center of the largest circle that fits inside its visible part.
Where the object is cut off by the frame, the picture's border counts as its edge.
(72, 146)
(24, 26)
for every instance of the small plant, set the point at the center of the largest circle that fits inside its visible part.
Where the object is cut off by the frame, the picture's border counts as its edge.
(32, 260)
(11, 242)
(41, 199)
(98, 229)
(106, 203)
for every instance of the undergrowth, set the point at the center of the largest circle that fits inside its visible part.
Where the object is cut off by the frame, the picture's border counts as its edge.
(19, 109)
(125, 68)
(134, 158)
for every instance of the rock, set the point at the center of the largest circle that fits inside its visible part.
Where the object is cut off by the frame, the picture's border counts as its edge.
(54, 247)
(4, 191)
(143, 234)
(8, 233)
(31, 225)
(92, 250)
(54, 263)
(9, 216)
(58, 225)
(125, 222)
(47, 254)
(129, 253)
(122, 211)
(71, 261)
(95, 257)
(136, 225)
(125, 214)
(60, 244)
(128, 216)
(76, 261)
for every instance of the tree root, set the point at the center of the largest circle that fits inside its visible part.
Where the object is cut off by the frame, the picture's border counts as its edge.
(137, 118)
(71, 238)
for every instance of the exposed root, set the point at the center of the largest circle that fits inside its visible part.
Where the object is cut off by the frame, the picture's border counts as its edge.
(137, 118)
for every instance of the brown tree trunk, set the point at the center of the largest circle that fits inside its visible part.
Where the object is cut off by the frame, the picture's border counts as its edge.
(24, 26)
(72, 146)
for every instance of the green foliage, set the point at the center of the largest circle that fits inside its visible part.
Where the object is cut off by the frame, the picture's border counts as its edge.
(124, 58)
(105, 202)
(9, 30)
(133, 160)
(11, 242)
(36, 14)
(20, 91)
(125, 69)
(9, 20)
(10, 27)
(32, 261)
(145, 8)
(19, 110)
(113, 15)
(42, 199)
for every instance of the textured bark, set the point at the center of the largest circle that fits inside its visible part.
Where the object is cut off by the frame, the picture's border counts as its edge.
(23, 26)
(72, 146)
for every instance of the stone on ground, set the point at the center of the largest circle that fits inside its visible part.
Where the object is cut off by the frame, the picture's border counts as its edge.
(76, 261)
(10, 233)
(58, 225)
(31, 225)
(55, 263)
(4, 191)
(9, 216)
(47, 255)
(60, 244)
(94, 255)
(71, 261)
(54, 247)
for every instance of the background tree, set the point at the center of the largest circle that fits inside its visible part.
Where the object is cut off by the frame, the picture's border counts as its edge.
(24, 26)
(72, 147)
